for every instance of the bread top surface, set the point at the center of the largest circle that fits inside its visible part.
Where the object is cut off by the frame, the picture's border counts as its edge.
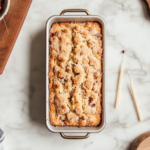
(75, 74)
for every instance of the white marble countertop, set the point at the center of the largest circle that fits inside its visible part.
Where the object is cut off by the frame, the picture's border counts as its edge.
(22, 85)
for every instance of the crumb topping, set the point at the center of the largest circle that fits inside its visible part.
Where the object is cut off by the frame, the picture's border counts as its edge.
(75, 74)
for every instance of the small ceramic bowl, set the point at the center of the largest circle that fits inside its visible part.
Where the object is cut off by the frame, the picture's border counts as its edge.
(5, 9)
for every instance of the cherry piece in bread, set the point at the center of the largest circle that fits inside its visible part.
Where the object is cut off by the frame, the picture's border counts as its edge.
(90, 100)
(0, 8)
(93, 105)
(52, 34)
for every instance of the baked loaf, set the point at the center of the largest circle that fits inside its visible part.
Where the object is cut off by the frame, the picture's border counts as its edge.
(75, 74)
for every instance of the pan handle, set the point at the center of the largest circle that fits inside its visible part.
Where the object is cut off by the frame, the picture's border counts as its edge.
(75, 10)
(75, 137)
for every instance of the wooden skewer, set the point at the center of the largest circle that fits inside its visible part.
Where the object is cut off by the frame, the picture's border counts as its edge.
(135, 103)
(119, 83)
(134, 99)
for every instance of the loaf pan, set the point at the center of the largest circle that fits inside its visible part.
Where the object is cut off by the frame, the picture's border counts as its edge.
(74, 18)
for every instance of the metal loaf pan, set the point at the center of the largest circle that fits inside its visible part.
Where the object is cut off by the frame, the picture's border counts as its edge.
(73, 18)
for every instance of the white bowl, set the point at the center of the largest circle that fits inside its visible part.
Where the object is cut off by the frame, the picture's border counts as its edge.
(4, 9)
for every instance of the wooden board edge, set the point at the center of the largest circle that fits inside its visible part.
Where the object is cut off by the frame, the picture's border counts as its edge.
(15, 39)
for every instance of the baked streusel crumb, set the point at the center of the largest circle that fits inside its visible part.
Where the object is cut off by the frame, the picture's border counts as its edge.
(75, 74)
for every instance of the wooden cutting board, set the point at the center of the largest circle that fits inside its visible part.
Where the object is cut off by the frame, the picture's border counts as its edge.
(142, 142)
(14, 20)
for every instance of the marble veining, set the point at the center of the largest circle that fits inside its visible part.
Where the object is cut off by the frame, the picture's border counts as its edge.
(22, 85)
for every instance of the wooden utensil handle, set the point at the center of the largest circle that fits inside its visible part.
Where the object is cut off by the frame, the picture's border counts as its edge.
(135, 102)
(119, 83)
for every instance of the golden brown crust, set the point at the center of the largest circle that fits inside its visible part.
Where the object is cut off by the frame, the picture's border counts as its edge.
(75, 74)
